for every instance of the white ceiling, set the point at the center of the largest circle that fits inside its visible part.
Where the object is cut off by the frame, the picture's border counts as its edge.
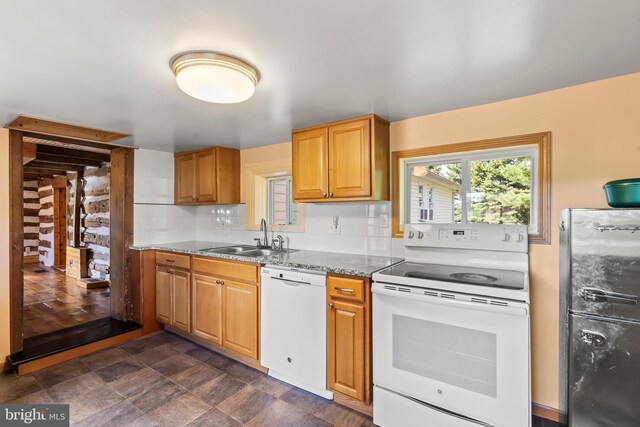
(105, 64)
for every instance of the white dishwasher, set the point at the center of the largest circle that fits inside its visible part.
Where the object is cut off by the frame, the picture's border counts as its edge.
(294, 327)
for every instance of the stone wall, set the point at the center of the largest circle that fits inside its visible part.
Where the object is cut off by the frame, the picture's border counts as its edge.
(95, 221)
(45, 223)
(31, 220)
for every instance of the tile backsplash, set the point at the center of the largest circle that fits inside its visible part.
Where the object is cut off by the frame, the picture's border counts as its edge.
(155, 223)
(360, 228)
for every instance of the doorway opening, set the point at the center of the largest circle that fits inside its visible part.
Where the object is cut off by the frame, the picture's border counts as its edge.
(66, 199)
(71, 213)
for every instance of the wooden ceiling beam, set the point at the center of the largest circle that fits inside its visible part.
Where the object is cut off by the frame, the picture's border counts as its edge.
(51, 128)
(34, 164)
(28, 152)
(63, 160)
(36, 176)
(74, 142)
(44, 171)
(73, 154)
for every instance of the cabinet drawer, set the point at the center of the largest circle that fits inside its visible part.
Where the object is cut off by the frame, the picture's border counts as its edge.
(173, 260)
(244, 272)
(343, 287)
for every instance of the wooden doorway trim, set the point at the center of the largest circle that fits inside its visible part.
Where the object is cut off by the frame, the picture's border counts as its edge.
(16, 214)
(16, 217)
(60, 224)
(50, 128)
(121, 232)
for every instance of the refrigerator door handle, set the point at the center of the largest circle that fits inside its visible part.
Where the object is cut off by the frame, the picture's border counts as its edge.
(593, 338)
(598, 295)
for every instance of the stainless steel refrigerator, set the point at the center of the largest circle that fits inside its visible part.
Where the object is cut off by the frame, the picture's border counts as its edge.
(600, 317)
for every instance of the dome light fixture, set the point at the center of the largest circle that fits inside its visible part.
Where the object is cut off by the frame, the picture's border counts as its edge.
(214, 77)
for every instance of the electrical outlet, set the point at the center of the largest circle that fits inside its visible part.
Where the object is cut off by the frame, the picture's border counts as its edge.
(384, 220)
(334, 225)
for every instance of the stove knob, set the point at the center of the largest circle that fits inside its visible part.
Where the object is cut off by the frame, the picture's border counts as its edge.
(410, 235)
(504, 237)
(420, 234)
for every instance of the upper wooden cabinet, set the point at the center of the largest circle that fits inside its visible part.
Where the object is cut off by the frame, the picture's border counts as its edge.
(342, 161)
(310, 158)
(208, 176)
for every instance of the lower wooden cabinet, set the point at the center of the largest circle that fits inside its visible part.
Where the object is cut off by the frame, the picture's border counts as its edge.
(348, 340)
(206, 297)
(172, 297)
(181, 300)
(163, 295)
(240, 317)
(212, 299)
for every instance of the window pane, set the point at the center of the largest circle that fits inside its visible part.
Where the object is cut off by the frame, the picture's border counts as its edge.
(282, 211)
(435, 193)
(500, 191)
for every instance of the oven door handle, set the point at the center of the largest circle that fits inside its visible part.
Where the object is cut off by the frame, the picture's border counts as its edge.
(514, 308)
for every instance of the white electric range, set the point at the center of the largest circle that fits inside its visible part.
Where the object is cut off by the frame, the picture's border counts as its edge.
(451, 329)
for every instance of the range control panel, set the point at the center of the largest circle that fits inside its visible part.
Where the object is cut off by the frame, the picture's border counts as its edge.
(498, 237)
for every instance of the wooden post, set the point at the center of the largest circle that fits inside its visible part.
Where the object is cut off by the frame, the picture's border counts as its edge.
(77, 209)
(121, 229)
(16, 216)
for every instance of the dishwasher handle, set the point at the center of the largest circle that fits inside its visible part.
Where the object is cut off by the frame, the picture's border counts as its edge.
(289, 281)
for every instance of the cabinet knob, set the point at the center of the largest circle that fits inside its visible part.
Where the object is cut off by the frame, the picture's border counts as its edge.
(330, 194)
(324, 194)
(219, 282)
(331, 305)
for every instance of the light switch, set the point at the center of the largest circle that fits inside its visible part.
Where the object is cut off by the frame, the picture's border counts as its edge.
(384, 220)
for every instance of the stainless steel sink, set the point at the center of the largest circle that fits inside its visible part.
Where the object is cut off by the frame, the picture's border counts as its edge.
(266, 252)
(247, 250)
(229, 249)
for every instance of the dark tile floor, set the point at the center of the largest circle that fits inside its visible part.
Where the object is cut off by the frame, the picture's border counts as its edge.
(165, 380)
(54, 301)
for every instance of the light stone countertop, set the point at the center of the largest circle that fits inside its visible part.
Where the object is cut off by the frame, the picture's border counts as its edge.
(329, 262)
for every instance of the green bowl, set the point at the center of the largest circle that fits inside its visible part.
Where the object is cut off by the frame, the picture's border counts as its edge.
(623, 193)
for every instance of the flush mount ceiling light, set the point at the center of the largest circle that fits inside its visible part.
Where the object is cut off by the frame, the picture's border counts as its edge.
(214, 77)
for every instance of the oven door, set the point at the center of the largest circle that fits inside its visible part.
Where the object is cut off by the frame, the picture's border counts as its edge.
(465, 357)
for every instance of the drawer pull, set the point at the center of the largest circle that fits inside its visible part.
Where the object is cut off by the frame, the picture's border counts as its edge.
(170, 260)
(350, 291)
(219, 282)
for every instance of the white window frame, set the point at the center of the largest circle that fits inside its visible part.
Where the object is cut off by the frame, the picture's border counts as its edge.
(465, 159)
(289, 197)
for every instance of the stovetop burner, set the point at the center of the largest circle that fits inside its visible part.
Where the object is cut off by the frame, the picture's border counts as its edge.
(508, 279)
(474, 277)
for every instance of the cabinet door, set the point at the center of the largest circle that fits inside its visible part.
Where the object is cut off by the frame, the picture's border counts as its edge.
(163, 295)
(206, 306)
(350, 159)
(240, 318)
(346, 348)
(181, 287)
(185, 176)
(205, 176)
(310, 164)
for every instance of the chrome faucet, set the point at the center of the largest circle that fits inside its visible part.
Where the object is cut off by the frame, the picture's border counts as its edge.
(280, 241)
(263, 227)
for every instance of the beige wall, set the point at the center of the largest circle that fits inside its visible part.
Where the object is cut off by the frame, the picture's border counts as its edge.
(4, 243)
(596, 138)
(262, 154)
